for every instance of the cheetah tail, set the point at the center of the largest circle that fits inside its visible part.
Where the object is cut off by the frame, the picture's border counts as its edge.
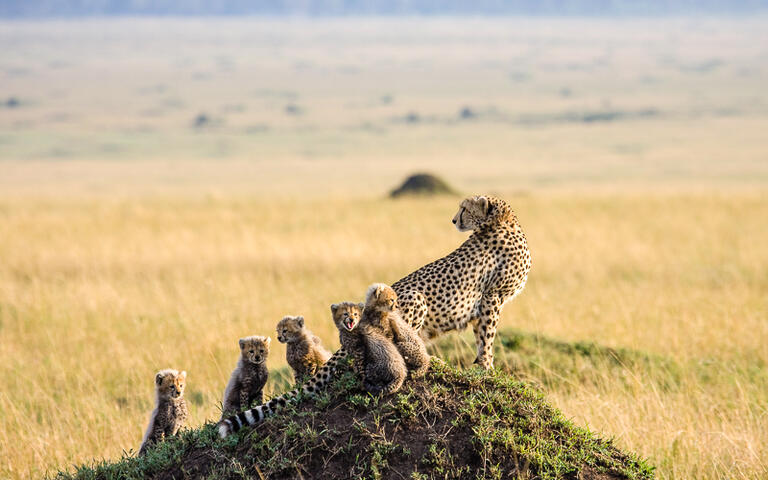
(253, 416)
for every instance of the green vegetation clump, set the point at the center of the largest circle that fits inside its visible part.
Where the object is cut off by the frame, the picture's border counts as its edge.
(451, 424)
(553, 364)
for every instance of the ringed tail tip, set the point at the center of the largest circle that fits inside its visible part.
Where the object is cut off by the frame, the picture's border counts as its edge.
(224, 428)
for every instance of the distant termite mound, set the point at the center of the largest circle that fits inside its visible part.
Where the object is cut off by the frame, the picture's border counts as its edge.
(423, 184)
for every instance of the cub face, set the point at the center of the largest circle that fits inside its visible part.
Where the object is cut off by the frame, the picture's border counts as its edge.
(170, 383)
(473, 212)
(289, 329)
(346, 315)
(381, 297)
(255, 349)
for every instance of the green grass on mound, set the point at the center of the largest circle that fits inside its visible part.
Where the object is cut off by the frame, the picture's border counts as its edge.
(550, 363)
(451, 424)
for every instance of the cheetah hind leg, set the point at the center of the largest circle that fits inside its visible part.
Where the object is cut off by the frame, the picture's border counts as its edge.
(415, 355)
(485, 330)
(484, 337)
(478, 341)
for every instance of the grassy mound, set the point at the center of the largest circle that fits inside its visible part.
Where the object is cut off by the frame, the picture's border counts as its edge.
(423, 184)
(450, 425)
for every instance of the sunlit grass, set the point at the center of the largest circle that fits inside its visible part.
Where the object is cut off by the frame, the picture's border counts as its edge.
(97, 296)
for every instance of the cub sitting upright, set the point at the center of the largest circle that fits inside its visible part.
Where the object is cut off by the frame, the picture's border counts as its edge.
(384, 370)
(170, 410)
(304, 352)
(381, 312)
(346, 316)
(249, 377)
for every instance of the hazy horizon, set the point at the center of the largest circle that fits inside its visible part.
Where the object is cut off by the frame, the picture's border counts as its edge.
(329, 8)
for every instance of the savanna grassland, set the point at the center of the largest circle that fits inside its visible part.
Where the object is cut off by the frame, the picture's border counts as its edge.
(168, 186)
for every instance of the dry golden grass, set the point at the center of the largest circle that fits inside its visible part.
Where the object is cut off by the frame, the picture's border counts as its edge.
(97, 296)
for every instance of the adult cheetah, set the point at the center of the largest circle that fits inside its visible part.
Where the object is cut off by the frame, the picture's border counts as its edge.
(467, 287)
(472, 283)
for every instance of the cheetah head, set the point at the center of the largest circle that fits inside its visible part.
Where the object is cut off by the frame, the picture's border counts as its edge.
(170, 383)
(346, 315)
(482, 210)
(289, 329)
(255, 349)
(381, 297)
(473, 212)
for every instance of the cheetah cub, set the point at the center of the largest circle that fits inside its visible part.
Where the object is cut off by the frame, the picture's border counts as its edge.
(303, 352)
(249, 377)
(170, 409)
(346, 316)
(381, 312)
(382, 366)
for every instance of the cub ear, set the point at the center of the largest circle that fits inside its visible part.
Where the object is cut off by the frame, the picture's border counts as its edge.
(159, 378)
(361, 306)
(334, 308)
(183, 375)
(241, 343)
(300, 321)
(267, 340)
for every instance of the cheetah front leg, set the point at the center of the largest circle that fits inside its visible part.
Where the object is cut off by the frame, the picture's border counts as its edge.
(245, 396)
(181, 414)
(485, 329)
(309, 370)
(158, 434)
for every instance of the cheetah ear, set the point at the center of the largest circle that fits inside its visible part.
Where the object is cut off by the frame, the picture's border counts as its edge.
(300, 321)
(334, 308)
(159, 378)
(361, 306)
(267, 340)
(183, 375)
(241, 343)
(484, 205)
